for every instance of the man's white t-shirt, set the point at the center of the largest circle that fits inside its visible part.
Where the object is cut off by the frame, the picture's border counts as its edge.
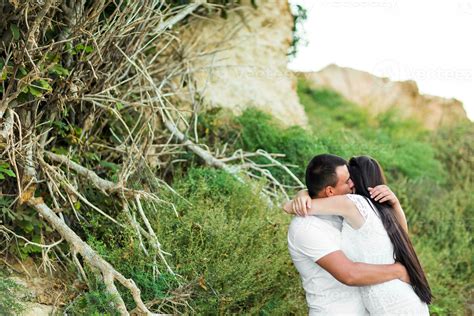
(309, 239)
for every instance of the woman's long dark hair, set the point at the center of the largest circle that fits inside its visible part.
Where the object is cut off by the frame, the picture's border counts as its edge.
(366, 172)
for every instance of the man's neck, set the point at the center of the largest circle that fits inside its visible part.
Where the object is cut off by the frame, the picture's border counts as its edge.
(321, 195)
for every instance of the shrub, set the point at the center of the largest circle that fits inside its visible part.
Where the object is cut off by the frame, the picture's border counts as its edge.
(431, 174)
(231, 246)
(96, 302)
(227, 246)
(401, 146)
(260, 131)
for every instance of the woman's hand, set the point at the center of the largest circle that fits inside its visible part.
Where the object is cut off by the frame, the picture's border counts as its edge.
(287, 207)
(382, 193)
(301, 204)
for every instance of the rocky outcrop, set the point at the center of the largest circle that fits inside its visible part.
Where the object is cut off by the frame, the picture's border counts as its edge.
(40, 293)
(381, 94)
(35, 309)
(242, 60)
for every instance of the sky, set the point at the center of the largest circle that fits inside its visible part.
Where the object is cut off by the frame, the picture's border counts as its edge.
(431, 42)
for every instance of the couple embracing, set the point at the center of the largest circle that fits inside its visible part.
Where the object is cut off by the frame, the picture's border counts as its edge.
(354, 255)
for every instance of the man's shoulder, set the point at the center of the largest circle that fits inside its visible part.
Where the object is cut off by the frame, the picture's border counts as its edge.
(310, 238)
(312, 225)
(312, 221)
(304, 221)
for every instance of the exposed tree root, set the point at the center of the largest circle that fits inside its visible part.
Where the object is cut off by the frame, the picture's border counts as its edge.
(246, 164)
(124, 193)
(91, 257)
(98, 182)
(107, 95)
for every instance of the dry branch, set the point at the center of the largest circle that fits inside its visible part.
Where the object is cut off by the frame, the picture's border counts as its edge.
(111, 187)
(109, 274)
(212, 161)
(98, 182)
(205, 155)
(119, 64)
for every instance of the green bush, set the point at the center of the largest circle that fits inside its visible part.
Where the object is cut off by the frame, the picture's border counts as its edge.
(96, 302)
(328, 111)
(227, 246)
(260, 131)
(440, 224)
(122, 249)
(231, 246)
(401, 146)
(430, 172)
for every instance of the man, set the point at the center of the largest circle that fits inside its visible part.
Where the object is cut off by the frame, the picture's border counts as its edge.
(329, 278)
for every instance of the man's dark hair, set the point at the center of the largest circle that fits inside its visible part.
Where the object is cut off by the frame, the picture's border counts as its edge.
(321, 172)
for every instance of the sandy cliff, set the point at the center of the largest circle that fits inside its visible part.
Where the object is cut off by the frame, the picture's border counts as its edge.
(243, 60)
(381, 94)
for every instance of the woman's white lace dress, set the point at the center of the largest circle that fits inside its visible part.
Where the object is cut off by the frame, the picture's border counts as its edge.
(371, 244)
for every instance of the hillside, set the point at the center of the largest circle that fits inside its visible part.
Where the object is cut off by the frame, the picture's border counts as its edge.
(381, 95)
(147, 146)
(242, 60)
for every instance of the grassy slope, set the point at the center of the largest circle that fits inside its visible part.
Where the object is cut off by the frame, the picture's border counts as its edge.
(432, 175)
(229, 247)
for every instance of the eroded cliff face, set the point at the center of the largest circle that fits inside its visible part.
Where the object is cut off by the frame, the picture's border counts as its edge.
(243, 60)
(381, 94)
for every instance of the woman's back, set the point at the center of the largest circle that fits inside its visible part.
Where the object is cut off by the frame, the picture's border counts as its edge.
(371, 244)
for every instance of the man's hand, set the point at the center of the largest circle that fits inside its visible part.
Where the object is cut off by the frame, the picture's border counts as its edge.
(361, 274)
(301, 204)
(382, 193)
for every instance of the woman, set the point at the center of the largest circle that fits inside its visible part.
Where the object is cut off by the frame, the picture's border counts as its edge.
(371, 233)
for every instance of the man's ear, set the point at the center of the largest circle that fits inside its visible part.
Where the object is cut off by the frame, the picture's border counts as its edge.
(329, 191)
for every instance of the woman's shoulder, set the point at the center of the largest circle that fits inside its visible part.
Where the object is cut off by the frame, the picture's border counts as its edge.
(362, 204)
(356, 198)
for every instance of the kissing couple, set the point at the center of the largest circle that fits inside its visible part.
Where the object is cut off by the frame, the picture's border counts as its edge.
(350, 243)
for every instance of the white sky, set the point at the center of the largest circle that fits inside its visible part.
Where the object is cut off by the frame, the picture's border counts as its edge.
(431, 42)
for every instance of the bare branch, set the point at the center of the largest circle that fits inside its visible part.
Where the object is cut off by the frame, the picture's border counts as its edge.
(97, 181)
(109, 274)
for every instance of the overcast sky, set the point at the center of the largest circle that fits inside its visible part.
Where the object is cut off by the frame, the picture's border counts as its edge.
(430, 42)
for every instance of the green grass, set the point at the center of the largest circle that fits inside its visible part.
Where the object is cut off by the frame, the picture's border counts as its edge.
(401, 146)
(229, 246)
(432, 174)
(232, 246)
